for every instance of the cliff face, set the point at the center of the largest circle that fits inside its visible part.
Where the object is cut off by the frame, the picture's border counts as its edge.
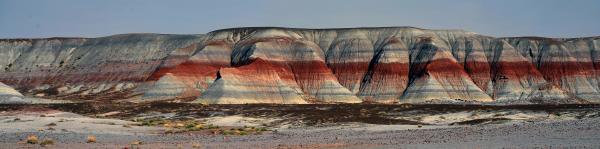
(281, 65)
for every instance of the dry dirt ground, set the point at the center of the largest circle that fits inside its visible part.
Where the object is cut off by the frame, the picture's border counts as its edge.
(156, 125)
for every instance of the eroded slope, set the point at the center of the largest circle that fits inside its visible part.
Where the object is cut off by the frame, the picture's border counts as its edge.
(283, 65)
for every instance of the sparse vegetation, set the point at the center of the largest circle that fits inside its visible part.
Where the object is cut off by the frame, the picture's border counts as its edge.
(176, 126)
(196, 145)
(261, 129)
(32, 139)
(91, 139)
(136, 142)
(152, 122)
(47, 142)
(239, 131)
(211, 126)
(226, 132)
(257, 120)
(8, 67)
(242, 133)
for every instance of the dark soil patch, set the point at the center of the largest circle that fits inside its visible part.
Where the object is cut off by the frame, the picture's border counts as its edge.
(313, 114)
(480, 121)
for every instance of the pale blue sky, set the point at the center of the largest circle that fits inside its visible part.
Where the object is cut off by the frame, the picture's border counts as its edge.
(87, 18)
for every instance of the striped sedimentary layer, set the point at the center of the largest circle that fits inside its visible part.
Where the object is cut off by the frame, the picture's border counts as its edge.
(283, 65)
(9, 94)
(258, 82)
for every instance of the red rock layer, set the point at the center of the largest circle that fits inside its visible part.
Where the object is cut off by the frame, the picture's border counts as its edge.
(305, 64)
(385, 83)
(196, 66)
(480, 73)
(258, 82)
(325, 65)
(350, 74)
(388, 73)
(349, 60)
(436, 75)
(311, 75)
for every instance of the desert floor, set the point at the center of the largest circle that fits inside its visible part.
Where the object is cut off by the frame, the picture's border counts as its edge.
(166, 125)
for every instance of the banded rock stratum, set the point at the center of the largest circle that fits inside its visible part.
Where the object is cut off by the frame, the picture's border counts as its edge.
(298, 66)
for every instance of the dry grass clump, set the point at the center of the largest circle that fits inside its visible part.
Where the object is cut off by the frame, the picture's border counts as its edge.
(196, 145)
(136, 142)
(91, 139)
(32, 139)
(47, 142)
(180, 126)
(239, 131)
(211, 126)
(176, 126)
(151, 122)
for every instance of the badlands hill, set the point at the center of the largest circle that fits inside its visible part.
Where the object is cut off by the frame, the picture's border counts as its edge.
(297, 66)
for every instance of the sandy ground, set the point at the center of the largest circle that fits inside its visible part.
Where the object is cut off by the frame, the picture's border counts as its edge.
(73, 130)
(516, 129)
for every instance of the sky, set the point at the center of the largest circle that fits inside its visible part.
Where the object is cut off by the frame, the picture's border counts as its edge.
(95, 18)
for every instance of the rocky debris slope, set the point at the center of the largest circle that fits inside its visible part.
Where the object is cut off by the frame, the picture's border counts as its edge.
(285, 65)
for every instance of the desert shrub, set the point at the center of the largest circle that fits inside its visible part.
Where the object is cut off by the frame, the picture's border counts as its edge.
(196, 145)
(211, 126)
(47, 142)
(152, 122)
(261, 129)
(32, 139)
(136, 142)
(91, 139)
(242, 133)
(226, 132)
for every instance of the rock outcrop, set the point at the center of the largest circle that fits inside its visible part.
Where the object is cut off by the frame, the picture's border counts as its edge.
(258, 82)
(8, 95)
(297, 66)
